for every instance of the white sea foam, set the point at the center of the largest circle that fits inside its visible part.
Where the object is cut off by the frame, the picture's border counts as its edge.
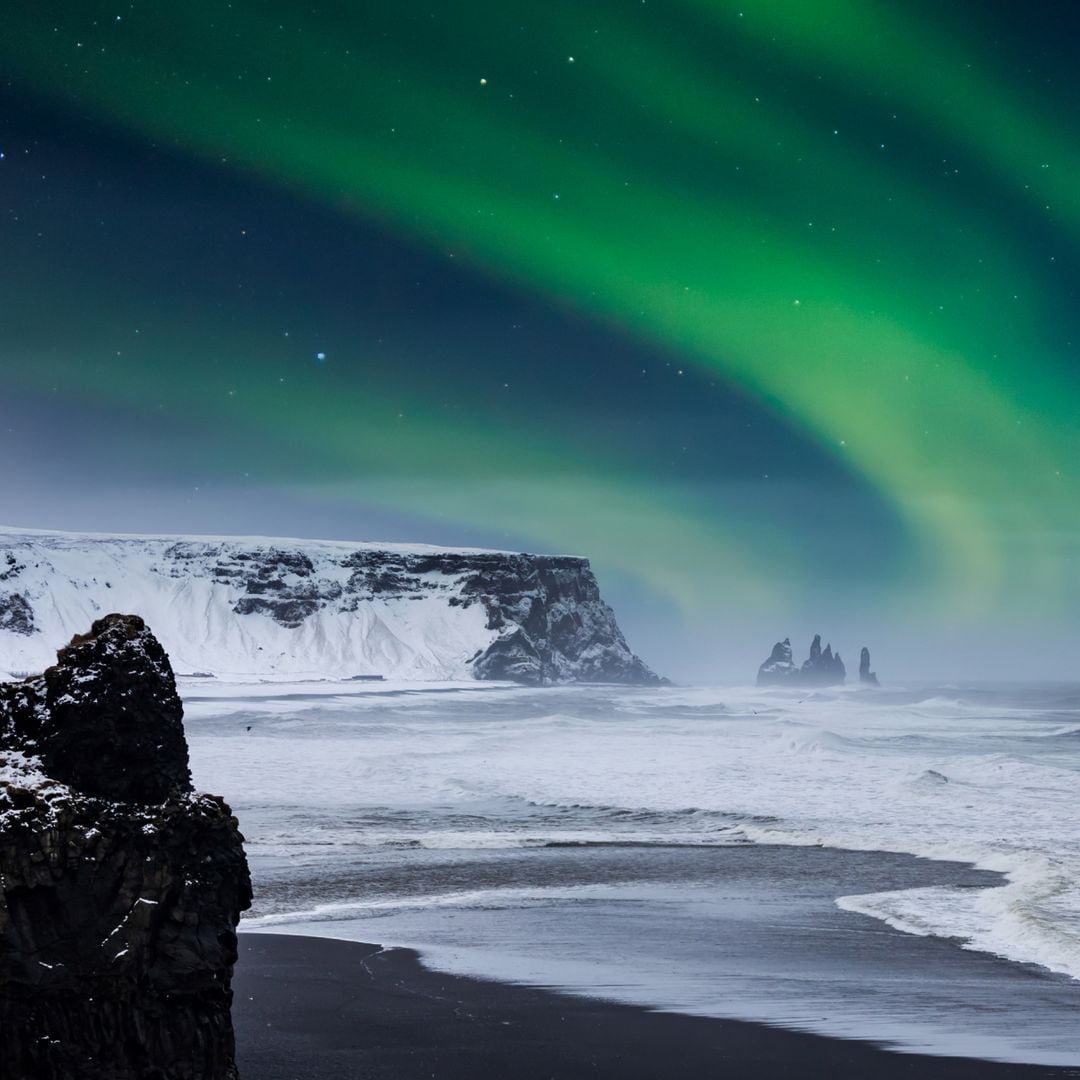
(987, 777)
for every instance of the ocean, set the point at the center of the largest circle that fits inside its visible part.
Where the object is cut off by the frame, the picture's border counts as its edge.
(901, 865)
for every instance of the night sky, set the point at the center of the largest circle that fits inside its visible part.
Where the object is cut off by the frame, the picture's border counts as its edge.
(768, 307)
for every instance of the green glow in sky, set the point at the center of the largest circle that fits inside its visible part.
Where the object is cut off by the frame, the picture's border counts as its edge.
(829, 203)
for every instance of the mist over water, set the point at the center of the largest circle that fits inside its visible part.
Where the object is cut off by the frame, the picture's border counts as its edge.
(924, 647)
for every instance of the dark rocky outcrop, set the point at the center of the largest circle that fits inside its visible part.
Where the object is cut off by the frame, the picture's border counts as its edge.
(556, 628)
(16, 614)
(106, 719)
(866, 676)
(779, 669)
(120, 888)
(821, 668)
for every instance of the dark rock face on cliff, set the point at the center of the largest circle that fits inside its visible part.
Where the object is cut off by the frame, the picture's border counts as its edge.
(866, 676)
(16, 614)
(821, 668)
(779, 669)
(553, 626)
(120, 888)
(251, 607)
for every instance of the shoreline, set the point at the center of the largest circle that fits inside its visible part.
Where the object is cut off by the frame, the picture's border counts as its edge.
(744, 932)
(327, 1009)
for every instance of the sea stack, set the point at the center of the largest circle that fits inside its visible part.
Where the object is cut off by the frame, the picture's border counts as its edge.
(822, 668)
(779, 669)
(866, 676)
(120, 887)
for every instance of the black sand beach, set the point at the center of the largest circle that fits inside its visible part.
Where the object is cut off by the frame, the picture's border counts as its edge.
(318, 1009)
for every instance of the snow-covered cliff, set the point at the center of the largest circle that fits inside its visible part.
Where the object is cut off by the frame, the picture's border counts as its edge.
(265, 608)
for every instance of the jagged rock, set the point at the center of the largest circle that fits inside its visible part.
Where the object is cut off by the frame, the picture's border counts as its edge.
(866, 676)
(16, 614)
(106, 719)
(555, 626)
(321, 607)
(513, 657)
(779, 669)
(822, 668)
(120, 888)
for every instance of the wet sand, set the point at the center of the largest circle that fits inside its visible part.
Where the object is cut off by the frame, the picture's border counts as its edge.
(317, 1009)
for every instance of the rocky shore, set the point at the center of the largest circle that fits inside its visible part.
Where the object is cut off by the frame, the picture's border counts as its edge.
(120, 887)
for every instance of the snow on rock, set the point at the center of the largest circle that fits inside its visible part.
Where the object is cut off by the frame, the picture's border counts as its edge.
(120, 886)
(256, 608)
(779, 668)
(821, 669)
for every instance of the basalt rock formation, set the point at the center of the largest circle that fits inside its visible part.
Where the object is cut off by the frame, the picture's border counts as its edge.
(866, 676)
(251, 607)
(120, 887)
(552, 624)
(822, 668)
(779, 669)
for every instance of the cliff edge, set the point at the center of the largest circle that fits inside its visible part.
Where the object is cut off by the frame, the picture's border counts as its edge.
(120, 888)
(257, 608)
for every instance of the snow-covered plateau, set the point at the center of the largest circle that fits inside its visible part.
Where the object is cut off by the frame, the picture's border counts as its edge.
(261, 608)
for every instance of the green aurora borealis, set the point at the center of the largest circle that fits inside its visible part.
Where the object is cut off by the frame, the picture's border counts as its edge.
(851, 224)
